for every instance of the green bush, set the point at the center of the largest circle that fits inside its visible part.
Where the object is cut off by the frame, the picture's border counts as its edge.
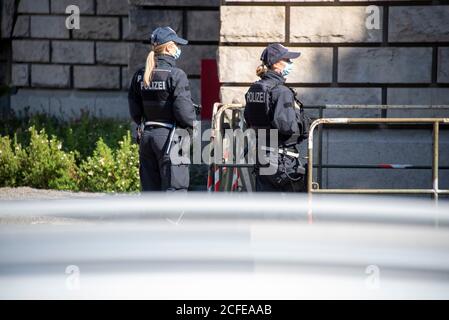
(78, 135)
(86, 154)
(96, 172)
(83, 134)
(111, 171)
(127, 165)
(46, 165)
(11, 158)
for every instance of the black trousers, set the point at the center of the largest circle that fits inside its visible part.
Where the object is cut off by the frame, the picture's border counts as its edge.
(157, 173)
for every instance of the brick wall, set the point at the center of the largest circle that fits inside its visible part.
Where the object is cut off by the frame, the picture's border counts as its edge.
(62, 71)
(404, 61)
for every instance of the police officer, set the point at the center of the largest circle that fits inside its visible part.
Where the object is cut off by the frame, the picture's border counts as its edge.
(270, 104)
(160, 101)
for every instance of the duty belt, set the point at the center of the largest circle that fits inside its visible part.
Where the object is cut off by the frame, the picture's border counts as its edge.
(282, 151)
(159, 124)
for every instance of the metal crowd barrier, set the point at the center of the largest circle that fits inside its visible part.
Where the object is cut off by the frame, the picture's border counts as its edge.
(225, 176)
(220, 177)
(313, 187)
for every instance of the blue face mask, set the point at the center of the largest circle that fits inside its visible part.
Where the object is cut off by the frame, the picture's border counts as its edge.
(177, 53)
(287, 69)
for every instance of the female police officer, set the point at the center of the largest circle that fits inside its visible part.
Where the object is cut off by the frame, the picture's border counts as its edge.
(270, 104)
(159, 100)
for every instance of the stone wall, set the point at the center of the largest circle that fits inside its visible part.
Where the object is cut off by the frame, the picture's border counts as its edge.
(404, 61)
(195, 20)
(5, 50)
(342, 61)
(62, 71)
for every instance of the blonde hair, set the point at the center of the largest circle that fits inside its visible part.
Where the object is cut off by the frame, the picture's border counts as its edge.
(261, 70)
(151, 61)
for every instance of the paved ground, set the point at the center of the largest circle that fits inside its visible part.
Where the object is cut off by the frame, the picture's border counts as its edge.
(26, 193)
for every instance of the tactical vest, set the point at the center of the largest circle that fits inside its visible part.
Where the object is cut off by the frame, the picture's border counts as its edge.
(156, 98)
(259, 112)
(258, 104)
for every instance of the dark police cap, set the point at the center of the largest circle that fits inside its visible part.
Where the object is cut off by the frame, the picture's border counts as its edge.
(165, 34)
(275, 52)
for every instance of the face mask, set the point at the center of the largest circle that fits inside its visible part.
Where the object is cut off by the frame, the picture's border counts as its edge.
(287, 69)
(177, 53)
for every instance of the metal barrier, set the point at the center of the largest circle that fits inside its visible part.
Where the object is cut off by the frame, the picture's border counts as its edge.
(313, 187)
(221, 178)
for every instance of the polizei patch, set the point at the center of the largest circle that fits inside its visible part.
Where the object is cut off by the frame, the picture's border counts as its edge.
(255, 97)
(154, 85)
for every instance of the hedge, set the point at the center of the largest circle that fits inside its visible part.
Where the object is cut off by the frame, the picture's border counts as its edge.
(43, 164)
(84, 154)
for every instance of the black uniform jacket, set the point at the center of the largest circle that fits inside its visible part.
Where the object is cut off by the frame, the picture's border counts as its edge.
(168, 97)
(283, 115)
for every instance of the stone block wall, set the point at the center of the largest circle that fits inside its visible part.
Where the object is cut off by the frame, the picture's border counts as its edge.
(195, 20)
(62, 71)
(403, 61)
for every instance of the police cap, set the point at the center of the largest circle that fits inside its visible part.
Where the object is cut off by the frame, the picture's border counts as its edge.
(165, 34)
(275, 52)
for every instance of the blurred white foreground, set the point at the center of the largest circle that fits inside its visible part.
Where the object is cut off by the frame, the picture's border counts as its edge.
(224, 246)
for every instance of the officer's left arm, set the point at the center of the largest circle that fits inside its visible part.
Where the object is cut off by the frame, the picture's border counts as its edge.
(183, 108)
(303, 122)
(302, 119)
(284, 115)
(135, 100)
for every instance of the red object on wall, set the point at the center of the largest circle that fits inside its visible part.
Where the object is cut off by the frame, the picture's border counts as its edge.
(210, 87)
